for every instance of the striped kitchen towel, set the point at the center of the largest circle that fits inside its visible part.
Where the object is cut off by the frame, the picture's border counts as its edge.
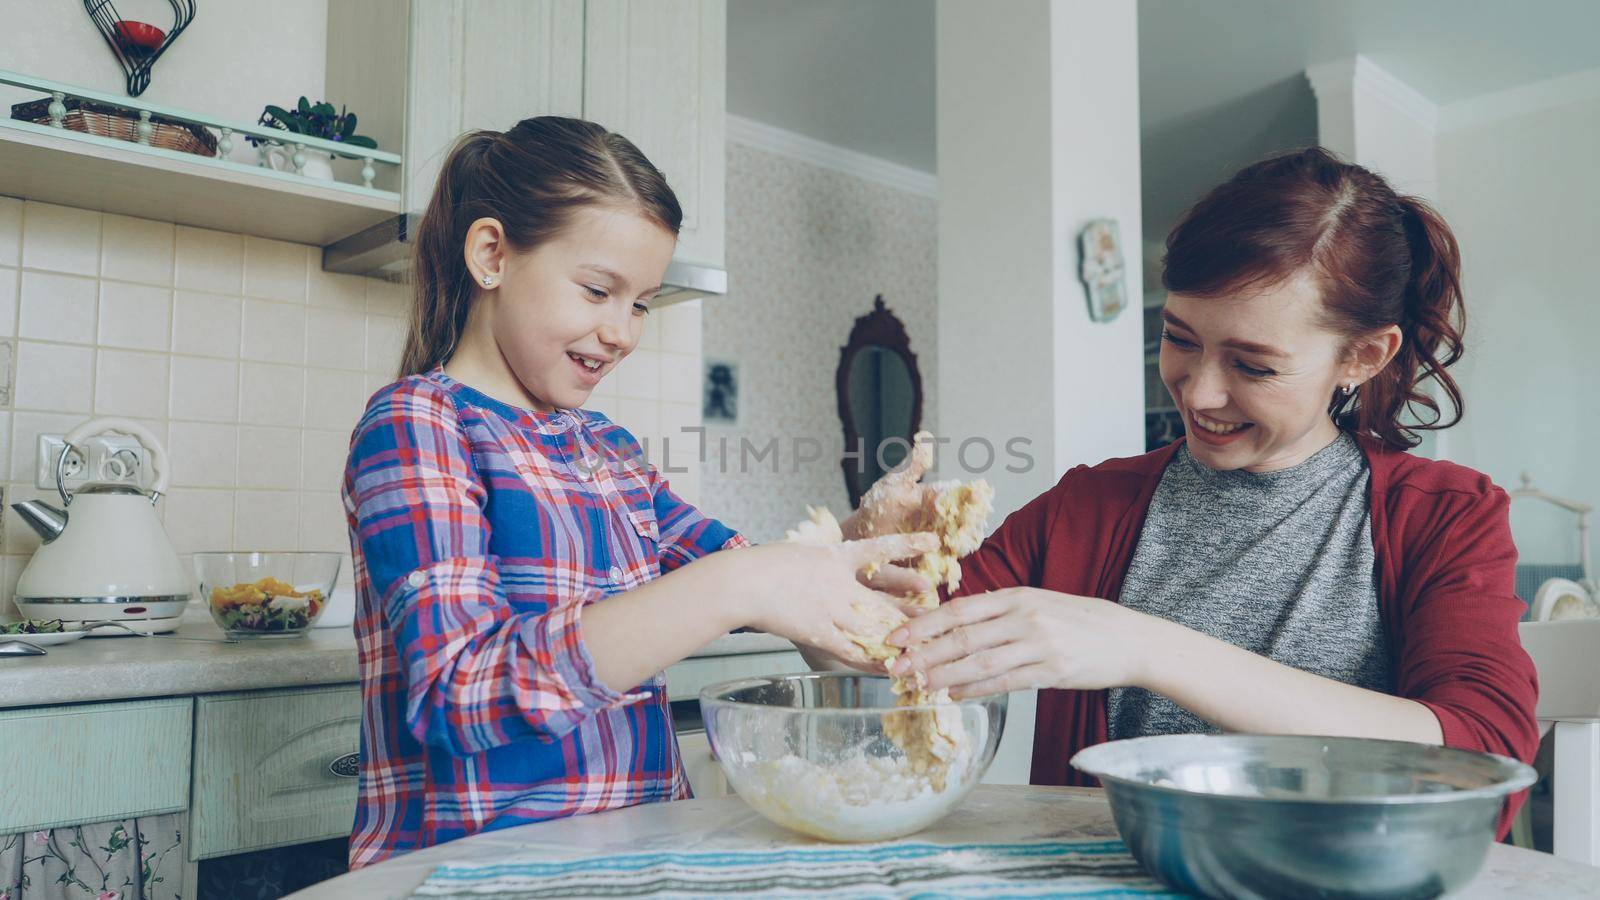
(1081, 869)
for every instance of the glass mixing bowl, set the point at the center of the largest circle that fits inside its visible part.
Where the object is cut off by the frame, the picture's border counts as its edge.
(815, 753)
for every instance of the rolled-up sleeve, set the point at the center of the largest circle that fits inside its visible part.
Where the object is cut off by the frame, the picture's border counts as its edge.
(687, 533)
(478, 674)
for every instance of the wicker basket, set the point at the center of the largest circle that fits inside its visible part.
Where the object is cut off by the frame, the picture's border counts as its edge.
(115, 122)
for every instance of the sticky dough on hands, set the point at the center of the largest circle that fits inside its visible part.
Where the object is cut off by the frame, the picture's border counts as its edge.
(957, 513)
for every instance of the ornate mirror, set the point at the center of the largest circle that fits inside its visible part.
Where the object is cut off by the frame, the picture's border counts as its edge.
(880, 398)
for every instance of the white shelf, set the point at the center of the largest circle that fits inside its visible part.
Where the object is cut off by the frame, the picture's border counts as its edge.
(72, 169)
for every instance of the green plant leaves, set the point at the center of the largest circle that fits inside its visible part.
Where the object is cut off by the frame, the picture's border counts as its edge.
(319, 120)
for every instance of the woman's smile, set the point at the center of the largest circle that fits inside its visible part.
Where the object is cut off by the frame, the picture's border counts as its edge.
(1217, 432)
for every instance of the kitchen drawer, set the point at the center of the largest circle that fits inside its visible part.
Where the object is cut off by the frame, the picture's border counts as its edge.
(67, 765)
(685, 679)
(262, 774)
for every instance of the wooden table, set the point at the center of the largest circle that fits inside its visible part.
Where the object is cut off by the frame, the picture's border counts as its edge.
(990, 813)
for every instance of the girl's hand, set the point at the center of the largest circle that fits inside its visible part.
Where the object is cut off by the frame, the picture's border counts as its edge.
(812, 594)
(1021, 638)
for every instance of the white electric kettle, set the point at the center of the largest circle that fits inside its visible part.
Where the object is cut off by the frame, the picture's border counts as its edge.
(105, 553)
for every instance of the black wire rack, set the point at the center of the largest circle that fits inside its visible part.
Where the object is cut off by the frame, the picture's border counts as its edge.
(136, 60)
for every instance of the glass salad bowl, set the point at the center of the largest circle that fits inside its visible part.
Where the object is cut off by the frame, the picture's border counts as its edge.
(261, 594)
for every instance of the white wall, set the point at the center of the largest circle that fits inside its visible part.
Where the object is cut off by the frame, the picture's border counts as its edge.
(808, 248)
(1520, 192)
(233, 59)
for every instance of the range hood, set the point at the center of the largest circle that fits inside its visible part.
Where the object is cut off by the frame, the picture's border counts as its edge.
(384, 250)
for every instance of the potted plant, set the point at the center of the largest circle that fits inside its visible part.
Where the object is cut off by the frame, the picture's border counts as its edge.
(319, 120)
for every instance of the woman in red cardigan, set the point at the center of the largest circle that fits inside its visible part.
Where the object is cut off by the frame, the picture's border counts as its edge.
(1289, 568)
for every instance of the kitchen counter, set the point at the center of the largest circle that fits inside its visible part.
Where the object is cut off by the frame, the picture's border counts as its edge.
(129, 667)
(991, 813)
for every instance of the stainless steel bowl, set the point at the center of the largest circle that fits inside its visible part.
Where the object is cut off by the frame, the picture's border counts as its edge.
(1257, 816)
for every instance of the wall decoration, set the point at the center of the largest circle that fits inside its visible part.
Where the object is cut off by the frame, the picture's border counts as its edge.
(880, 398)
(721, 394)
(137, 45)
(1100, 248)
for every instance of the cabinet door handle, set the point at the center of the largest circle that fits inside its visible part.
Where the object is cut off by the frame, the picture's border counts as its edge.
(346, 766)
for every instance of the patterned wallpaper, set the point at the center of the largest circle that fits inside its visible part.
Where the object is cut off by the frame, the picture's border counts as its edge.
(808, 249)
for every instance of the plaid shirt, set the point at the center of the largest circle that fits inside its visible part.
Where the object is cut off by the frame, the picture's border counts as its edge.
(480, 531)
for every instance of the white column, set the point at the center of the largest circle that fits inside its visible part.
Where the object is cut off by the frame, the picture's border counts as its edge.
(996, 368)
(1099, 366)
(1372, 118)
(1038, 133)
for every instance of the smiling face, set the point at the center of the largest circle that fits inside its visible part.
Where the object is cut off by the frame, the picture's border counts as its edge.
(1253, 374)
(555, 320)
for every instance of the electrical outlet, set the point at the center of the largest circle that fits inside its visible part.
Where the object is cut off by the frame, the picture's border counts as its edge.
(102, 459)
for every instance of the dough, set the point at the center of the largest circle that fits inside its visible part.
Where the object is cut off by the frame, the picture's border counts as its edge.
(957, 512)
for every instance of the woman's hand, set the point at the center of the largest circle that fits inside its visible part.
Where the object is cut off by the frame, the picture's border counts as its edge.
(1021, 638)
(813, 594)
(897, 499)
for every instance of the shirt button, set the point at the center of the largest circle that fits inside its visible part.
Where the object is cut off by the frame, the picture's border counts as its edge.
(616, 573)
(416, 579)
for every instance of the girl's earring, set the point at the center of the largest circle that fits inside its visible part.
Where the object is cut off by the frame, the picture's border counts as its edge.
(1350, 389)
(487, 281)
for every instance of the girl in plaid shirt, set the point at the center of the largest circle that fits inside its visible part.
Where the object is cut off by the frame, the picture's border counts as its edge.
(490, 515)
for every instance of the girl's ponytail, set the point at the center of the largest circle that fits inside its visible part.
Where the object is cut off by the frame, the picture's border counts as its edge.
(440, 283)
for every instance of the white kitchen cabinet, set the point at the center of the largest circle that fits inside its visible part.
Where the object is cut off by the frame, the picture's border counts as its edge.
(657, 72)
(485, 64)
(653, 71)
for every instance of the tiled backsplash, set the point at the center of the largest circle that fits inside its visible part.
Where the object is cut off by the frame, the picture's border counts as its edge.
(248, 360)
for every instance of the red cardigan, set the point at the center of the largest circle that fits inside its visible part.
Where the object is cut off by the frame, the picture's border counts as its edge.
(1445, 560)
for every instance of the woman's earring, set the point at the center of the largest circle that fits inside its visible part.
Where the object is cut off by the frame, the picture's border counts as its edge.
(487, 281)
(1350, 389)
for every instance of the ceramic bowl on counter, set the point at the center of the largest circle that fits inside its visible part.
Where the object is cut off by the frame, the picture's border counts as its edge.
(830, 755)
(1253, 816)
(266, 594)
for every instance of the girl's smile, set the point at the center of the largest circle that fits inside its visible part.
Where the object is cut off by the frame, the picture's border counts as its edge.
(590, 368)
